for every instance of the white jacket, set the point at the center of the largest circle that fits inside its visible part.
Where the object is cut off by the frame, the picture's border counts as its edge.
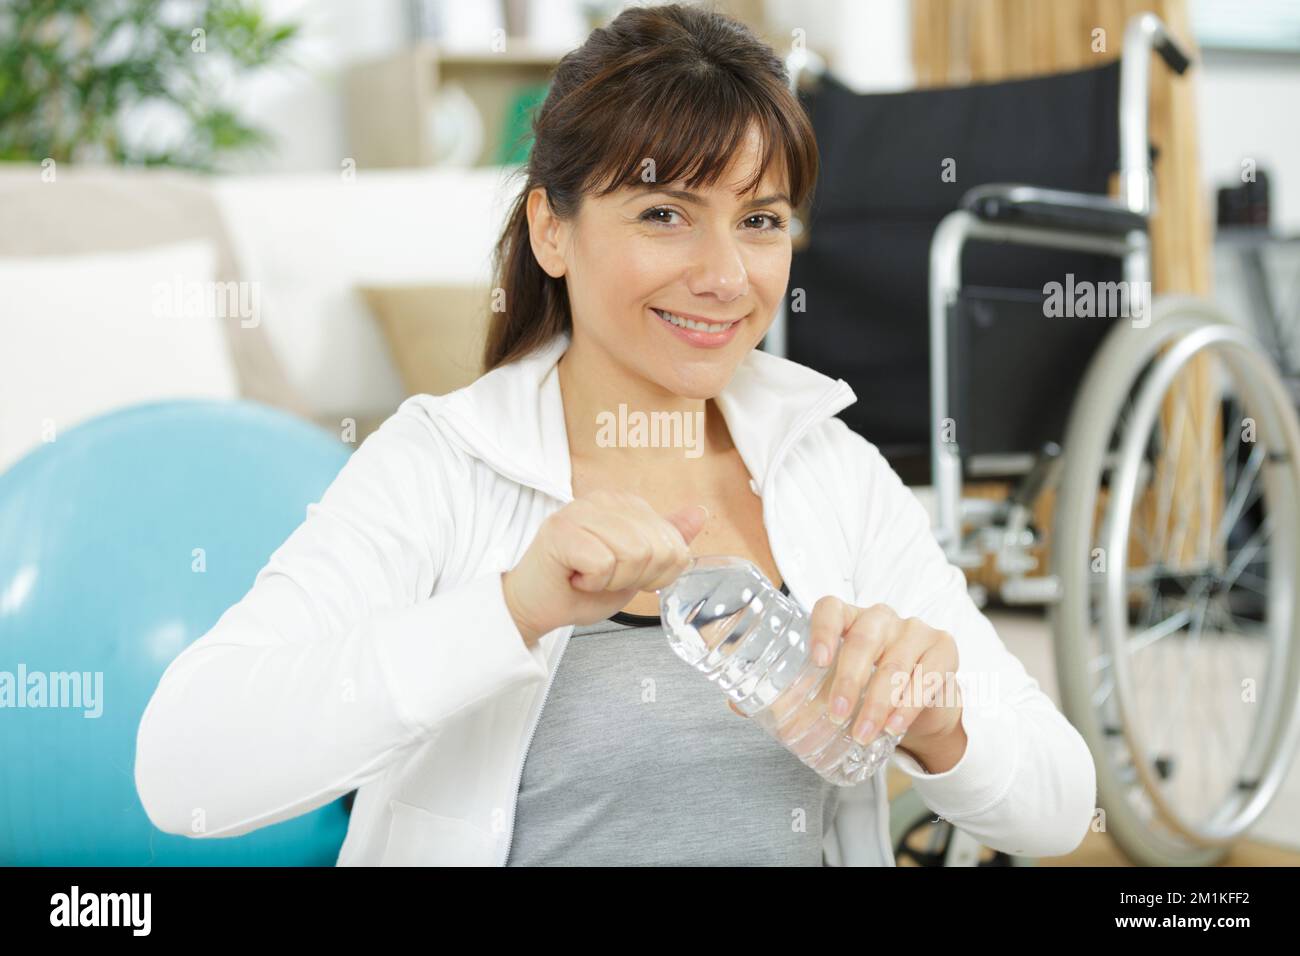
(374, 651)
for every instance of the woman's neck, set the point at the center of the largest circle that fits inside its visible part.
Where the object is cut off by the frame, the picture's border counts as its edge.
(620, 417)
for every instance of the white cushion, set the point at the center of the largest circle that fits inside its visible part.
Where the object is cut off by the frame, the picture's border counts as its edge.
(310, 239)
(82, 335)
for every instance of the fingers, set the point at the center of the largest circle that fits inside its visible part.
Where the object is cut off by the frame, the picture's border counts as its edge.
(894, 668)
(632, 549)
(689, 521)
(881, 656)
(615, 541)
(671, 560)
(828, 622)
(867, 632)
(888, 704)
(829, 619)
(926, 687)
(590, 559)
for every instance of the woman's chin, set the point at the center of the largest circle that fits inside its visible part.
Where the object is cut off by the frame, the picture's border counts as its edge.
(706, 384)
(700, 376)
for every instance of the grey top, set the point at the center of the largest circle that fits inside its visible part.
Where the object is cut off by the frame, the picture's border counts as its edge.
(638, 761)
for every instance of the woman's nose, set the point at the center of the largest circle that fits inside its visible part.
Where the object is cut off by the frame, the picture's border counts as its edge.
(720, 269)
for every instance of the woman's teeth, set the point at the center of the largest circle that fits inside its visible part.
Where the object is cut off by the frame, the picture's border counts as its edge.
(692, 324)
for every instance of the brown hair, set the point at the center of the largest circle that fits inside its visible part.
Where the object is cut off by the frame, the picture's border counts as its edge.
(676, 83)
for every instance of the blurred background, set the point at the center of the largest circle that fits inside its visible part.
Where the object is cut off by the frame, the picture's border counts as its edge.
(349, 161)
(317, 186)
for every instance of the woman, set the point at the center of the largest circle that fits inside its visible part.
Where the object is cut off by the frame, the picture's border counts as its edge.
(405, 641)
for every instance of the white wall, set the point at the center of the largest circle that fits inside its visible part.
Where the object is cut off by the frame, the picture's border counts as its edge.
(1249, 106)
(874, 52)
(302, 105)
(865, 42)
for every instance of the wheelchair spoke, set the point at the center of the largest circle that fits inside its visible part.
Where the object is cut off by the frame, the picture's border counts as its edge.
(1186, 647)
(1231, 464)
(1195, 602)
(1248, 551)
(1152, 634)
(1165, 502)
(1251, 582)
(1201, 475)
(1238, 503)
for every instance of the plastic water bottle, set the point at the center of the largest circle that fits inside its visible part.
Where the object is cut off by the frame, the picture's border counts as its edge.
(724, 617)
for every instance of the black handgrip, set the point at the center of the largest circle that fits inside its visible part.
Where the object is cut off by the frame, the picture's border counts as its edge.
(1178, 60)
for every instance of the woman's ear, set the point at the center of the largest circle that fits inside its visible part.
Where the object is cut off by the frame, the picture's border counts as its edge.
(545, 232)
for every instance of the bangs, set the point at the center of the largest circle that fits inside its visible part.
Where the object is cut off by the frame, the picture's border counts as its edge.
(692, 129)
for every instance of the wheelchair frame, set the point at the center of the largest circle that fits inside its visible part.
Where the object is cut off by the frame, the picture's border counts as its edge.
(1026, 215)
(1099, 224)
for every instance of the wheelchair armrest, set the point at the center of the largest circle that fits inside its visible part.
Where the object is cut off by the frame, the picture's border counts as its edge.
(1021, 205)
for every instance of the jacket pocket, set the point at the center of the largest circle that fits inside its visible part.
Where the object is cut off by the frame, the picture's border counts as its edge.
(417, 837)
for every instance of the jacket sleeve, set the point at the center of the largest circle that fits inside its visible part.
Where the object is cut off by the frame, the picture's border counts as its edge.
(339, 659)
(1026, 783)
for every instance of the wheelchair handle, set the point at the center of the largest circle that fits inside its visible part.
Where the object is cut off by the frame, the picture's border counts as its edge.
(1147, 29)
(1173, 55)
(1143, 34)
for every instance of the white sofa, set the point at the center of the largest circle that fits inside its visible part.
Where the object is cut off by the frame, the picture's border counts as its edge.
(302, 245)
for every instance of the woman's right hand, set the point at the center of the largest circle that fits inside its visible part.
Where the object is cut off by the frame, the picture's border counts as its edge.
(590, 558)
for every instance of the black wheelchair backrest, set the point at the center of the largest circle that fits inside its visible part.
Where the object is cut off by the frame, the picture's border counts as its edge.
(893, 165)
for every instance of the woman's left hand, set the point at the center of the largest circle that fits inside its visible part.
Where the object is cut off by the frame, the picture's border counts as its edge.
(912, 692)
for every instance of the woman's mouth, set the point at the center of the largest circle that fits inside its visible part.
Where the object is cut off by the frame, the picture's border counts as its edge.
(698, 331)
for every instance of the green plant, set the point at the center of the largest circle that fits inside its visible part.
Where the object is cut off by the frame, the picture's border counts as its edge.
(72, 70)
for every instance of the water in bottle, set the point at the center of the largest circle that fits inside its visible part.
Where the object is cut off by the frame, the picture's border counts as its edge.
(723, 617)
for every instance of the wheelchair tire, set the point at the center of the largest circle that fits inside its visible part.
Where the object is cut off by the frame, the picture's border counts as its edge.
(911, 823)
(1120, 429)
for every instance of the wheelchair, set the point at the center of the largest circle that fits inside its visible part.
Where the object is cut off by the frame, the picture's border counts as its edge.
(1157, 434)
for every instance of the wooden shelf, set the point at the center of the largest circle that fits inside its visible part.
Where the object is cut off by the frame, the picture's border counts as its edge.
(389, 102)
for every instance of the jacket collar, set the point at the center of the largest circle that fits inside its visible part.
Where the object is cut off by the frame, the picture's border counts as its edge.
(513, 417)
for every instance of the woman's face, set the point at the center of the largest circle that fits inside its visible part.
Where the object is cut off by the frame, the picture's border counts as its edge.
(714, 260)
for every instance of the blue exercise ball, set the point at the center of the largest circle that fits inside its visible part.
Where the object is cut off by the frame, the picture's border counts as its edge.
(121, 542)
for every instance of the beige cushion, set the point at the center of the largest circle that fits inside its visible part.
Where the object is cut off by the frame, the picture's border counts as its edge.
(436, 333)
(113, 209)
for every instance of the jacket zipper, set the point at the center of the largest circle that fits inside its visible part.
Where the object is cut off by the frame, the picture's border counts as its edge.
(532, 732)
(565, 498)
(814, 415)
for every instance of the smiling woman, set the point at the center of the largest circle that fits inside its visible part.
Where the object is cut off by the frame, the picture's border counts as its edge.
(671, 150)
(481, 577)
(652, 232)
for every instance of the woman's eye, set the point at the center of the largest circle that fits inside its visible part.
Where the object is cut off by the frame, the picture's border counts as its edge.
(657, 211)
(777, 221)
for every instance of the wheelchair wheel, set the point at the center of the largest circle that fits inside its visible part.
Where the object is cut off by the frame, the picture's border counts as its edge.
(921, 840)
(1175, 539)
